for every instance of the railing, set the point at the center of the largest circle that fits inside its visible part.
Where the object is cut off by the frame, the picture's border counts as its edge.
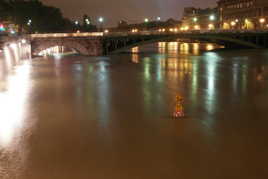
(153, 32)
(91, 34)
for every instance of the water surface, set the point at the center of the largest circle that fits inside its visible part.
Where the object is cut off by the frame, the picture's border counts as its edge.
(111, 117)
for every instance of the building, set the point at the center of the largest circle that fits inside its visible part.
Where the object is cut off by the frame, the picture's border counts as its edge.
(243, 14)
(200, 19)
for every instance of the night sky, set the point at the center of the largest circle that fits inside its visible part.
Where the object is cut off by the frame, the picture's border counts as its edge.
(129, 10)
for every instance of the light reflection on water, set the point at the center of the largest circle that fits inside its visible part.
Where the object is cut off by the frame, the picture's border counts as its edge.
(13, 103)
(111, 114)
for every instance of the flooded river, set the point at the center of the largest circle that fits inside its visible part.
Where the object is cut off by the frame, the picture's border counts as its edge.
(78, 117)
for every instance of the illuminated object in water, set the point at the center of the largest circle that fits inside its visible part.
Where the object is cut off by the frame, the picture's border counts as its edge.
(178, 110)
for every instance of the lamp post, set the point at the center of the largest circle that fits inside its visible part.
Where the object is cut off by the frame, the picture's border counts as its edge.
(29, 23)
(101, 20)
(146, 20)
(76, 25)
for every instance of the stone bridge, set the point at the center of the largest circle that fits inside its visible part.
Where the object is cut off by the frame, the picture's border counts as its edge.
(95, 44)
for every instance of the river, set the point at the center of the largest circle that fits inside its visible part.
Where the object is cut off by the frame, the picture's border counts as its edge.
(78, 117)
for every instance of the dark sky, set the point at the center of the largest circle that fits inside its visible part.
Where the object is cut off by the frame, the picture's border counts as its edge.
(130, 10)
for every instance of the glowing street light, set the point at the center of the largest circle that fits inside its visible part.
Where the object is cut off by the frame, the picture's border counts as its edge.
(76, 22)
(29, 23)
(87, 21)
(195, 19)
(212, 17)
(146, 20)
(158, 18)
(101, 19)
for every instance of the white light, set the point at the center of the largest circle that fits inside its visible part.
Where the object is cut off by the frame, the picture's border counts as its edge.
(146, 20)
(13, 45)
(159, 18)
(23, 41)
(101, 19)
(212, 17)
(262, 20)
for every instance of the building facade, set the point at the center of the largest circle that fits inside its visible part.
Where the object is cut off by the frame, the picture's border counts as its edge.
(243, 14)
(200, 19)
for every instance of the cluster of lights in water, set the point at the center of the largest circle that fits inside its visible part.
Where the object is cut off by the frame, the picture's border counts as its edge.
(56, 50)
(14, 84)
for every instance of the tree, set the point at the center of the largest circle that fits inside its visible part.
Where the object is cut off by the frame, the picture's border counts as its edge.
(34, 16)
(87, 25)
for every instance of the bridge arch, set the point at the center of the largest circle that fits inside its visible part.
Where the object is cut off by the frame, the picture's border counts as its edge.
(39, 46)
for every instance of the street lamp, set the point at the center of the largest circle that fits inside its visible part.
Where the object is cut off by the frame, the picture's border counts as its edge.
(158, 18)
(212, 17)
(29, 23)
(101, 20)
(195, 19)
(87, 21)
(146, 20)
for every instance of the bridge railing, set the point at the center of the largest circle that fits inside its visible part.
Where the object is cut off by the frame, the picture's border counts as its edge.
(143, 33)
(91, 34)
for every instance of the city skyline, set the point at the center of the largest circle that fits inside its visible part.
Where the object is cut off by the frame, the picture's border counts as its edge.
(132, 10)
